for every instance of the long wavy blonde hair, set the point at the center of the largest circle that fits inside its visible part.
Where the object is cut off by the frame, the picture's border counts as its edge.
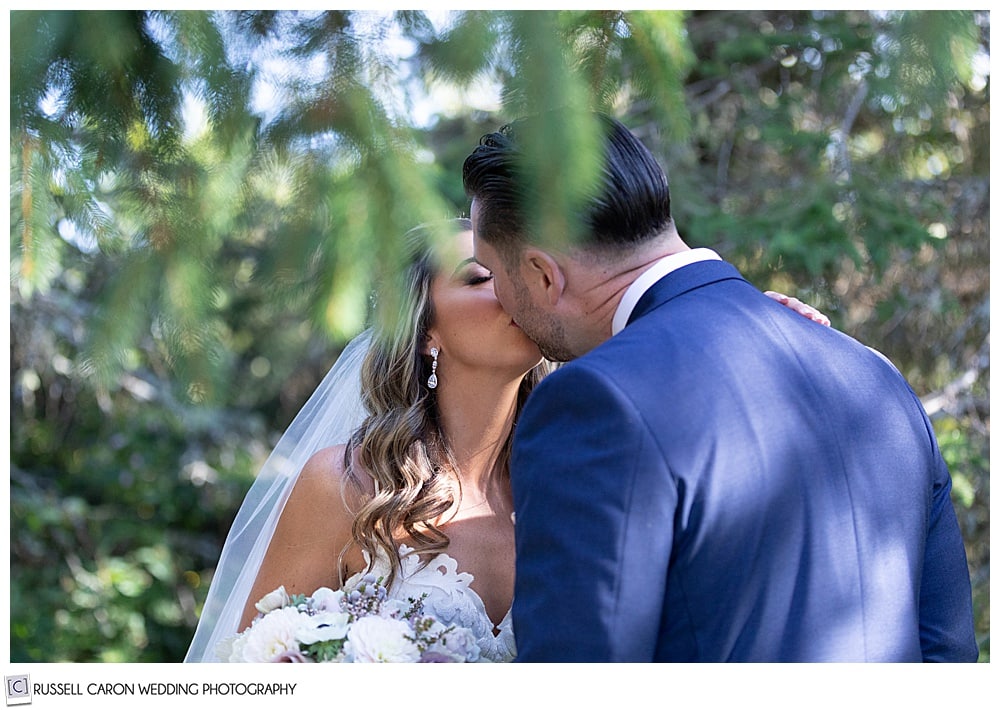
(400, 447)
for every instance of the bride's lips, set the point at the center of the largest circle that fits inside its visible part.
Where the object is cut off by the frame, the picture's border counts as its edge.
(514, 323)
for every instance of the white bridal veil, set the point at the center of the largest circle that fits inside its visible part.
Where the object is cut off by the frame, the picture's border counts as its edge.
(330, 416)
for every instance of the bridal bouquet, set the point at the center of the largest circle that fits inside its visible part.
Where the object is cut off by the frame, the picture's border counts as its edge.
(361, 625)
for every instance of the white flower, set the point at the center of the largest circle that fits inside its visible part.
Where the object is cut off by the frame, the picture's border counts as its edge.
(273, 600)
(291, 656)
(325, 599)
(394, 608)
(271, 636)
(375, 639)
(230, 650)
(325, 626)
(457, 644)
(371, 628)
(224, 649)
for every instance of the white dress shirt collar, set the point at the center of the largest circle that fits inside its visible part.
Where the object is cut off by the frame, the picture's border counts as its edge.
(650, 276)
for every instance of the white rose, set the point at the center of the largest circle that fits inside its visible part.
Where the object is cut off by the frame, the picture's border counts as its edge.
(375, 639)
(459, 644)
(325, 626)
(394, 608)
(273, 600)
(271, 636)
(325, 599)
(238, 646)
(224, 650)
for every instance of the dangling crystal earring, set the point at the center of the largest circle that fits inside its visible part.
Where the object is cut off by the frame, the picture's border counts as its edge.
(432, 381)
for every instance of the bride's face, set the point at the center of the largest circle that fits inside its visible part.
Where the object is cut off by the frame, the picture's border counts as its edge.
(471, 328)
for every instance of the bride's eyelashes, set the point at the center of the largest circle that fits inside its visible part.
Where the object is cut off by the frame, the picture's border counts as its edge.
(471, 273)
(476, 276)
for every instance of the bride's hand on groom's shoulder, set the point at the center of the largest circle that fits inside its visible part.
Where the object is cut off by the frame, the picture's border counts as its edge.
(803, 309)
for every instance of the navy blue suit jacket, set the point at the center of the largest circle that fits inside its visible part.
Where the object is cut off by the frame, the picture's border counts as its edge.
(725, 480)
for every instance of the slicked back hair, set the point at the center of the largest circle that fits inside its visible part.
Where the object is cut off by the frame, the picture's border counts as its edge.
(627, 204)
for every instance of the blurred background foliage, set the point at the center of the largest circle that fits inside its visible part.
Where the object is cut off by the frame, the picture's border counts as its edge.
(203, 202)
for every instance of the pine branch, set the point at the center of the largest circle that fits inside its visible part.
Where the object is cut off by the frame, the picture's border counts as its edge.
(947, 399)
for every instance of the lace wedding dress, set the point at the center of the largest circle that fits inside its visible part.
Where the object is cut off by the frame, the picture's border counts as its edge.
(449, 598)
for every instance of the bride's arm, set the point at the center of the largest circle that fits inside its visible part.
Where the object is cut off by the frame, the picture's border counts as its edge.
(313, 528)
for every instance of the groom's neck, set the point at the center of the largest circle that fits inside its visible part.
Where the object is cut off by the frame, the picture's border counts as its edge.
(600, 281)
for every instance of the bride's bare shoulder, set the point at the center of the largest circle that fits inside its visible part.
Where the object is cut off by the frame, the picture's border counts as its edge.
(326, 479)
(318, 516)
(312, 531)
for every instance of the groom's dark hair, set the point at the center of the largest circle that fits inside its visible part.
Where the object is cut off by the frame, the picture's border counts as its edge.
(626, 203)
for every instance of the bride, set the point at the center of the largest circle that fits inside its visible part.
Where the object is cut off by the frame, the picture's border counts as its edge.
(398, 464)
(415, 478)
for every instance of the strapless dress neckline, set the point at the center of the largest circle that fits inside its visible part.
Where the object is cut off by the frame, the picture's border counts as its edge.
(449, 597)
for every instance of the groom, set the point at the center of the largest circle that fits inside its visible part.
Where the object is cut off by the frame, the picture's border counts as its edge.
(711, 477)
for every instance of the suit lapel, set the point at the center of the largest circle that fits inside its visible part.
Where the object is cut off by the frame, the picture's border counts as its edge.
(684, 279)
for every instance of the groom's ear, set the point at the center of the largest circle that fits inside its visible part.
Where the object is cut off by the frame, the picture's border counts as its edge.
(542, 275)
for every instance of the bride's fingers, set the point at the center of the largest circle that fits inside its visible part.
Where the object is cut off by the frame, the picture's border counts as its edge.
(820, 318)
(799, 307)
(808, 311)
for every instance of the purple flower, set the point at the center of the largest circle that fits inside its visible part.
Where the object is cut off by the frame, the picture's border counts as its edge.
(437, 657)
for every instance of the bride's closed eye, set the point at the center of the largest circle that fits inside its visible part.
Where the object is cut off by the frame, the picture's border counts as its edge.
(471, 273)
(475, 275)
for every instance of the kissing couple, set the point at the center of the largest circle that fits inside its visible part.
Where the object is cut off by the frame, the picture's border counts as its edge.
(709, 473)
